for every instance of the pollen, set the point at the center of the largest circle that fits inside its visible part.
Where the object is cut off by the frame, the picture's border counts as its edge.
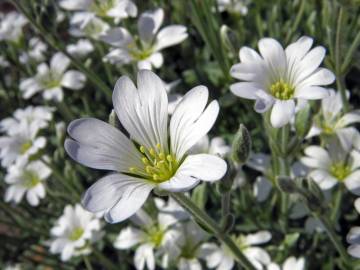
(158, 165)
(31, 179)
(282, 90)
(340, 171)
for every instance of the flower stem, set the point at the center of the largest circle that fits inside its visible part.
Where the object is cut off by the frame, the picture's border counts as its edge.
(104, 261)
(87, 263)
(213, 226)
(336, 208)
(332, 235)
(339, 76)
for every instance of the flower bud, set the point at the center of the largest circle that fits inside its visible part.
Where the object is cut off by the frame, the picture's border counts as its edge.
(228, 38)
(226, 183)
(286, 184)
(241, 145)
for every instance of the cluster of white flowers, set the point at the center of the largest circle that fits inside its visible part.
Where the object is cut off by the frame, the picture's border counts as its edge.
(19, 153)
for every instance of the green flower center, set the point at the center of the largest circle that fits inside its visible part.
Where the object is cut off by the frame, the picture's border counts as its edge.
(155, 235)
(93, 28)
(31, 179)
(50, 80)
(340, 171)
(25, 146)
(282, 90)
(101, 7)
(139, 53)
(157, 165)
(189, 251)
(76, 234)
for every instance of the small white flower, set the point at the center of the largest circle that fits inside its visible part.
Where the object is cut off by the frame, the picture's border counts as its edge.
(237, 6)
(73, 232)
(154, 161)
(82, 48)
(26, 179)
(36, 51)
(50, 80)
(333, 166)
(151, 236)
(290, 263)
(215, 146)
(278, 77)
(87, 25)
(353, 237)
(11, 25)
(332, 121)
(145, 50)
(117, 9)
(222, 258)
(36, 117)
(20, 144)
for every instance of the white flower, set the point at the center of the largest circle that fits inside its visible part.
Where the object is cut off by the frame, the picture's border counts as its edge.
(146, 50)
(353, 237)
(12, 267)
(87, 25)
(189, 242)
(20, 144)
(82, 48)
(278, 77)
(151, 236)
(154, 161)
(51, 80)
(290, 263)
(333, 166)
(36, 117)
(217, 146)
(332, 120)
(26, 179)
(233, 6)
(263, 184)
(11, 25)
(36, 51)
(73, 231)
(117, 9)
(222, 258)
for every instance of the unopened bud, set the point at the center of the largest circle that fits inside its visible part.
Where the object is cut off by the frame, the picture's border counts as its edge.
(228, 223)
(228, 39)
(241, 145)
(286, 184)
(226, 183)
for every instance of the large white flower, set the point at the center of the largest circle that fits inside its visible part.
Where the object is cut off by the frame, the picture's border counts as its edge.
(26, 179)
(332, 121)
(151, 236)
(222, 259)
(117, 9)
(290, 263)
(20, 144)
(144, 49)
(278, 77)
(155, 156)
(333, 166)
(73, 232)
(353, 237)
(11, 25)
(51, 80)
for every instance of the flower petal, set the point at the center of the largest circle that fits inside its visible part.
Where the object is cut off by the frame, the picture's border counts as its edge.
(99, 145)
(149, 23)
(59, 63)
(132, 198)
(273, 53)
(282, 112)
(352, 182)
(117, 37)
(143, 111)
(311, 92)
(260, 237)
(73, 79)
(128, 237)
(170, 36)
(245, 89)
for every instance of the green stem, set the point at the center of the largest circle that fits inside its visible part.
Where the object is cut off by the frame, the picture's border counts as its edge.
(297, 21)
(56, 45)
(225, 203)
(105, 261)
(337, 204)
(333, 237)
(200, 215)
(87, 263)
(339, 78)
